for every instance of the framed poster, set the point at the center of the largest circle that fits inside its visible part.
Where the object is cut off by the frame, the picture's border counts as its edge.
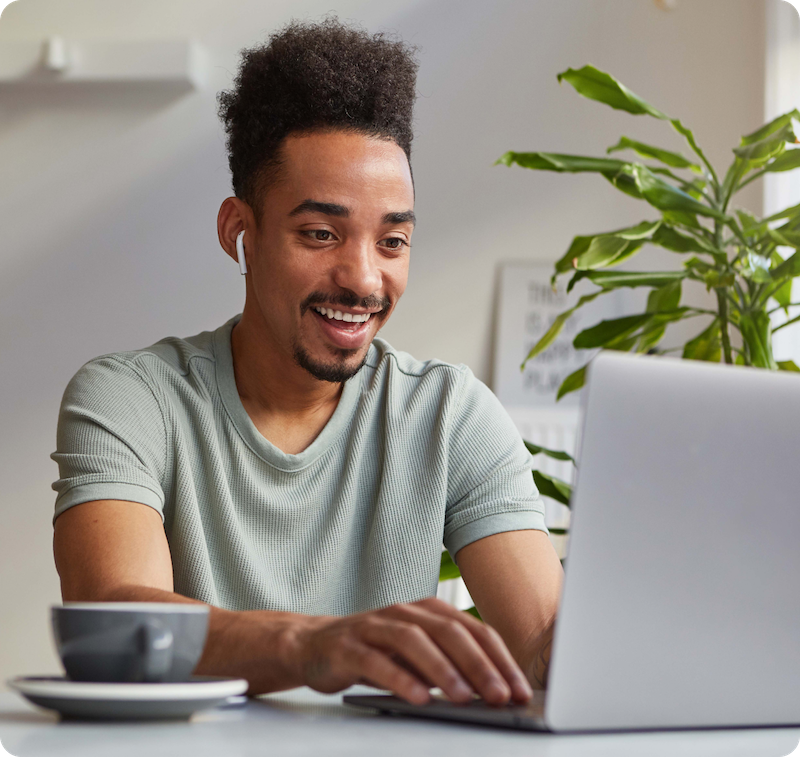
(527, 307)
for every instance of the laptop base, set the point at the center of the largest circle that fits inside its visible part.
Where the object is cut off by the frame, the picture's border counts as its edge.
(528, 717)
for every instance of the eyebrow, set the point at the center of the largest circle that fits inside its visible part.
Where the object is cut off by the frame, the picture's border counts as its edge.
(326, 208)
(340, 211)
(407, 216)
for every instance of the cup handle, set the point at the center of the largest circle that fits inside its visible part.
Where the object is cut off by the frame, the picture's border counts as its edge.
(155, 643)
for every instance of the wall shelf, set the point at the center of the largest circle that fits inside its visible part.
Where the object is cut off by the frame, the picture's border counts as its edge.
(56, 62)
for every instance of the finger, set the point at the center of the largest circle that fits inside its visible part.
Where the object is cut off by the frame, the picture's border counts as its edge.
(494, 646)
(467, 654)
(498, 652)
(376, 667)
(415, 647)
(466, 632)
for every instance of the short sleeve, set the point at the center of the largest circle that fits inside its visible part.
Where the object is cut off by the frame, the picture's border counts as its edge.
(490, 485)
(111, 439)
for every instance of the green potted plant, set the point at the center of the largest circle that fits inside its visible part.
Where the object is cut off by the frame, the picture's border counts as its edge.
(743, 259)
(748, 262)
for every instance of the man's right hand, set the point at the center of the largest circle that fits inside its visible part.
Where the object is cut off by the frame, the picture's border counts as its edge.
(407, 648)
(109, 550)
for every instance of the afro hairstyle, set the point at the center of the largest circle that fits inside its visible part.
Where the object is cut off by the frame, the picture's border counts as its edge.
(310, 77)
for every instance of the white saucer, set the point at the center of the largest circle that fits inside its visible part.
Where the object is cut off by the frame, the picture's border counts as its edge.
(127, 701)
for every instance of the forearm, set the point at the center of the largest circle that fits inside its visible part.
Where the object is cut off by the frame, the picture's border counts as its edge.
(515, 580)
(260, 646)
(535, 661)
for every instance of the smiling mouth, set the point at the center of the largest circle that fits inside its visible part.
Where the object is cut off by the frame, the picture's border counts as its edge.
(343, 320)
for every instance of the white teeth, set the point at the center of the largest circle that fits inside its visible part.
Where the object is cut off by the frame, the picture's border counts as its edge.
(338, 315)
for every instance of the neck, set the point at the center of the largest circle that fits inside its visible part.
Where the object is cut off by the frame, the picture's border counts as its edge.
(286, 403)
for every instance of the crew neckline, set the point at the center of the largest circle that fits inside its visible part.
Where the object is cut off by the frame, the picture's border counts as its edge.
(266, 450)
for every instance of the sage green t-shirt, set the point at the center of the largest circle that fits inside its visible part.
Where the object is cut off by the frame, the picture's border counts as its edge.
(415, 454)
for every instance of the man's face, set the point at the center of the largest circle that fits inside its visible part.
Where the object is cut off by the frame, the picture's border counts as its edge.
(332, 248)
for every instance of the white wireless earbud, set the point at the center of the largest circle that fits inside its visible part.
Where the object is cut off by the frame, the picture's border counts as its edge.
(240, 252)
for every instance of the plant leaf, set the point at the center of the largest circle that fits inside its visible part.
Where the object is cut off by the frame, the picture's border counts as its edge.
(663, 303)
(786, 161)
(789, 268)
(607, 331)
(474, 612)
(667, 297)
(627, 253)
(788, 365)
(670, 239)
(756, 268)
(447, 568)
(770, 128)
(605, 251)
(552, 487)
(768, 147)
(784, 237)
(750, 224)
(698, 266)
(694, 188)
(640, 231)
(783, 296)
(578, 246)
(622, 343)
(535, 449)
(791, 214)
(706, 345)
(662, 195)
(624, 181)
(549, 161)
(572, 383)
(651, 335)
(602, 251)
(714, 279)
(550, 335)
(598, 85)
(679, 218)
(674, 159)
(756, 332)
(689, 137)
(614, 279)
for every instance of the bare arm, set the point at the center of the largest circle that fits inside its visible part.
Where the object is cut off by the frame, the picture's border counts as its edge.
(117, 551)
(515, 581)
(109, 550)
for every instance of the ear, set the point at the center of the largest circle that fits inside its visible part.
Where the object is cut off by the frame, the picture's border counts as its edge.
(234, 216)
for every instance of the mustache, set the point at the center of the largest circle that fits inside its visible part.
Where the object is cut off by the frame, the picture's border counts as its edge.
(345, 299)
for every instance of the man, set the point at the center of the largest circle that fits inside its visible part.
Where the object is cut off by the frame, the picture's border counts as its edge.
(290, 469)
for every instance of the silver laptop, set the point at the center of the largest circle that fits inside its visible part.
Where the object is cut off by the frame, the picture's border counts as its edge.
(681, 603)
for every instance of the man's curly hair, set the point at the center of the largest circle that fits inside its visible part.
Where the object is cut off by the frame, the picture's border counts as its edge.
(314, 76)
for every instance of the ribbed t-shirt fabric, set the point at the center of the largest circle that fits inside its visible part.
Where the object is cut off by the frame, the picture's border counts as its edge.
(415, 454)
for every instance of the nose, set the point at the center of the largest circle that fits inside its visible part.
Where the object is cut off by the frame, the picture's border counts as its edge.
(358, 269)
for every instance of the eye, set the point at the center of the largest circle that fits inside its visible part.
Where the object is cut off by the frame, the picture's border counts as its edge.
(318, 235)
(394, 243)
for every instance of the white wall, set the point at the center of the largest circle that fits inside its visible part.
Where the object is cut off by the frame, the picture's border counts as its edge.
(782, 94)
(108, 199)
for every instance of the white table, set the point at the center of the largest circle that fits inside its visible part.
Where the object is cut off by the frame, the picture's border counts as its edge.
(302, 722)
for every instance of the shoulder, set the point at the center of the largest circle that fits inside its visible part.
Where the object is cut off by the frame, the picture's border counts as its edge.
(173, 354)
(411, 384)
(137, 372)
(384, 358)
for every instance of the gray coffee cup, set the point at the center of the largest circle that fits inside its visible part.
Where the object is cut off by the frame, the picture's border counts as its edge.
(130, 642)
